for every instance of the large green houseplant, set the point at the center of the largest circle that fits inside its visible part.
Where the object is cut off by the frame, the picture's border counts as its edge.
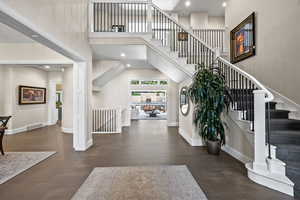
(211, 98)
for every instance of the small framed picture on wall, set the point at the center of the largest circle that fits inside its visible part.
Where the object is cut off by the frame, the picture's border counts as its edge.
(32, 95)
(242, 40)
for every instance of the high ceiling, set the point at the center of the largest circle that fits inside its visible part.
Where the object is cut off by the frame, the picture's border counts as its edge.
(213, 7)
(9, 35)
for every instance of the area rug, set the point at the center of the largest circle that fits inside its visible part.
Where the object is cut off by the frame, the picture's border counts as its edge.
(140, 183)
(14, 163)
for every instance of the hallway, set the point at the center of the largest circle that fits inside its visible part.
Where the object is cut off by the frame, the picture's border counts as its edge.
(144, 143)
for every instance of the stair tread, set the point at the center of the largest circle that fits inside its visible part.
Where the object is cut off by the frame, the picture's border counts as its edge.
(285, 132)
(293, 165)
(286, 120)
(289, 146)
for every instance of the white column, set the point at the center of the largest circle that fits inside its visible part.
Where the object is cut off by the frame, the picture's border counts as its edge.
(259, 130)
(149, 16)
(82, 136)
(52, 118)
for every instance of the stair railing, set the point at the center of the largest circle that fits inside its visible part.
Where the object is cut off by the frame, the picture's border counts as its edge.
(179, 39)
(214, 37)
(249, 95)
(106, 120)
(251, 99)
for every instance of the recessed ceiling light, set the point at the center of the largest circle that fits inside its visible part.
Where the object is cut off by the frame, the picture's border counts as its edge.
(34, 36)
(128, 65)
(123, 54)
(224, 4)
(63, 69)
(47, 66)
(187, 3)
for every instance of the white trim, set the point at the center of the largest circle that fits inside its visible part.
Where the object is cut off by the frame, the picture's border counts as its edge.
(236, 154)
(34, 62)
(67, 130)
(25, 128)
(271, 180)
(192, 141)
(88, 145)
(173, 124)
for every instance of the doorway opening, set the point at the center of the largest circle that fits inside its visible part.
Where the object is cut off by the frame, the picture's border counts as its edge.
(148, 104)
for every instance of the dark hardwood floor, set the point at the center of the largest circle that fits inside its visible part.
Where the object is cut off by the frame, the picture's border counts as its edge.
(145, 143)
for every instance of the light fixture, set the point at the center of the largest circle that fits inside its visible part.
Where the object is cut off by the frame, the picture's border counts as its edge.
(47, 66)
(128, 65)
(63, 69)
(224, 4)
(187, 3)
(123, 55)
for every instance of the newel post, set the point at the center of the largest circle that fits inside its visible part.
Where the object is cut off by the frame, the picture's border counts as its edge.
(259, 130)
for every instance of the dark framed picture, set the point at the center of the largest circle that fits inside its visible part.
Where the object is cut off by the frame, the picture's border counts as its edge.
(183, 36)
(242, 40)
(32, 95)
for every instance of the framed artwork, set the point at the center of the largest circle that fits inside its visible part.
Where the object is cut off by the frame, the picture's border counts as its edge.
(31, 95)
(183, 36)
(242, 40)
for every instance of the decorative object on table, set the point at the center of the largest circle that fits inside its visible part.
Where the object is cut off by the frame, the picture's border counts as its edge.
(151, 182)
(3, 127)
(183, 36)
(118, 28)
(184, 101)
(211, 98)
(14, 163)
(242, 42)
(32, 95)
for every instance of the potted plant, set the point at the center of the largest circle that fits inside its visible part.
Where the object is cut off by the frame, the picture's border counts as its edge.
(210, 97)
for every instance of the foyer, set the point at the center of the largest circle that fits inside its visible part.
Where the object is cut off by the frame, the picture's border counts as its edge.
(143, 144)
(108, 66)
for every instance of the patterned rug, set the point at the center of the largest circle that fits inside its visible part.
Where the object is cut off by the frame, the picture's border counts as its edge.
(149, 183)
(14, 163)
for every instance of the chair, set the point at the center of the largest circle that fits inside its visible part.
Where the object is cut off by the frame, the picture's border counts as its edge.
(3, 124)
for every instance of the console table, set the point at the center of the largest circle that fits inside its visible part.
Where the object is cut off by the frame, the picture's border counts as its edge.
(3, 127)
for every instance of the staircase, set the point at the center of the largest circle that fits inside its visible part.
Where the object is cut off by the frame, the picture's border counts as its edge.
(276, 137)
(285, 135)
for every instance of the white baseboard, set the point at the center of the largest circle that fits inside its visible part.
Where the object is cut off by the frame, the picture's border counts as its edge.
(271, 180)
(25, 128)
(89, 144)
(192, 141)
(236, 154)
(67, 130)
(173, 124)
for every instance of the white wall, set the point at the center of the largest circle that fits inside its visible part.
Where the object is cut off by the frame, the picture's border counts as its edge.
(23, 53)
(116, 93)
(187, 128)
(2, 88)
(64, 20)
(278, 45)
(12, 76)
(201, 20)
(23, 115)
(185, 21)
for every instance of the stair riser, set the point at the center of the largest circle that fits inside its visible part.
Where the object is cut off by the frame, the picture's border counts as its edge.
(297, 192)
(285, 126)
(294, 175)
(288, 155)
(281, 139)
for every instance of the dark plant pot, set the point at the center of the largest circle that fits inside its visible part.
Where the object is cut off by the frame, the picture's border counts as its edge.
(213, 147)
